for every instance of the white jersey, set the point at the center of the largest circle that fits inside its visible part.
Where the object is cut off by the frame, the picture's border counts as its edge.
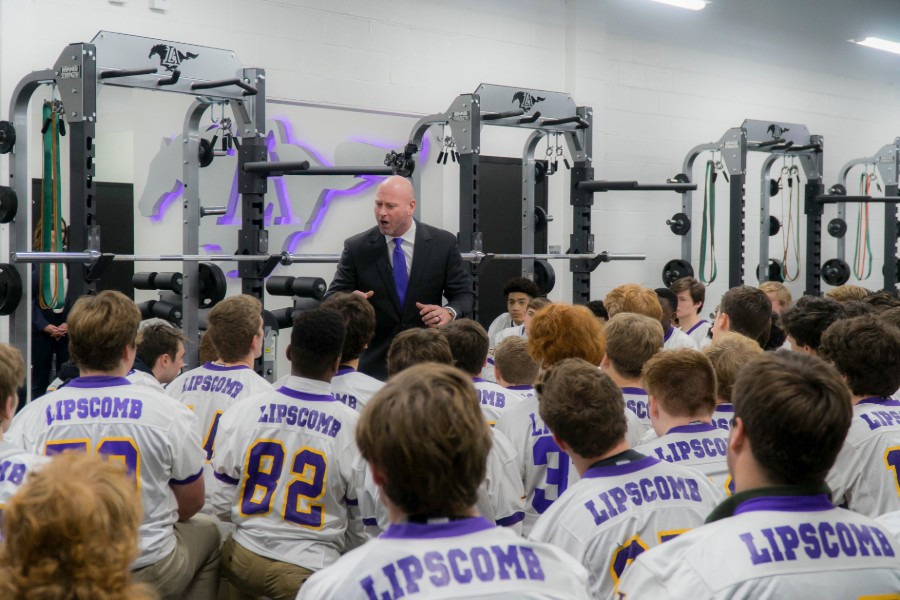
(514, 331)
(500, 496)
(525, 391)
(891, 522)
(495, 399)
(15, 466)
(618, 510)
(676, 338)
(697, 445)
(465, 558)
(353, 388)
(210, 390)
(866, 474)
(773, 547)
(290, 454)
(154, 436)
(723, 415)
(638, 401)
(142, 378)
(543, 467)
(503, 321)
(700, 333)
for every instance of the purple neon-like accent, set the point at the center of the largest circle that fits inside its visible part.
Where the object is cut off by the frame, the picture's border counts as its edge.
(634, 391)
(97, 381)
(225, 478)
(880, 401)
(165, 201)
(305, 395)
(211, 248)
(812, 503)
(511, 519)
(190, 479)
(233, 274)
(692, 428)
(623, 469)
(215, 367)
(699, 323)
(399, 531)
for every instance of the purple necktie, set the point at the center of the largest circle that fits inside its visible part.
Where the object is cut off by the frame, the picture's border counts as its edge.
(401, 277)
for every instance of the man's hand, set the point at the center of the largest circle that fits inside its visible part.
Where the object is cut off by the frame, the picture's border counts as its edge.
(365, 295)
(434, 315)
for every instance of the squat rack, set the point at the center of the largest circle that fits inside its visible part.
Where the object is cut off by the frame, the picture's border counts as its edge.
(773, 137)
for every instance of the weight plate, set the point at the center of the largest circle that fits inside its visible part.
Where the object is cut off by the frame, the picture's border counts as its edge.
(10, 289)
(544, 276)
(212, 285)
(9, 204)
(7, 137)
(837, 228)
(835, 272)
(675, 269)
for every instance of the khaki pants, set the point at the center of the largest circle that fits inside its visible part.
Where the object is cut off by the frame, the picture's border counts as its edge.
(252, 575)
(191, 571)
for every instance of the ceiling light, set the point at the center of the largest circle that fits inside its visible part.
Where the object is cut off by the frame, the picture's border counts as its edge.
(879, 44)
(688, 4)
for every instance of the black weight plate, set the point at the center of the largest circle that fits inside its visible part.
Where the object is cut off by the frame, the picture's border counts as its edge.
(10, 289)
(213, 285)
(675, 269)
(7, 137)
(9, 204)
(544, 276)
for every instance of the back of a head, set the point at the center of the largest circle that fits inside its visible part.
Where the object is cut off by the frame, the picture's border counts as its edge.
(72, 532)
(691, 285)
(779, 290)
(417, 345)
(599, 310)
(882, 301)
(633, 298)
(233, 323)
(359, 321)
(728, 354)
(857, 308)
(561, 331)
(809, 317)
(521, 285)
(843, 293)
(632, 340)
(100, 328)
(682, 381)
(538, 302)
(749, 312)
(156, 339)
(866, 351)
(316, 341)
(207, 352)
(512, 360)
(665, 295)
(790, 403)
(582, 406)
(424, 432)
(468, 344)
(891, 316)
(12, 373)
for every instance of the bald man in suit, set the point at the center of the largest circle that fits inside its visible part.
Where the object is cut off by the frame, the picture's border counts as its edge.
(405, 268)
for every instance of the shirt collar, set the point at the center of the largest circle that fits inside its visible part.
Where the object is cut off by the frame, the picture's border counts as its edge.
(311, 386)
(797, 493)
(408, 238)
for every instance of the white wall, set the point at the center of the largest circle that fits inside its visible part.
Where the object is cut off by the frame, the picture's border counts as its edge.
(660, 81)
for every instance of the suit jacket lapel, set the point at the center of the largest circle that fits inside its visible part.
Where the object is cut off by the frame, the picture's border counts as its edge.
(379, 247)
(420, 261)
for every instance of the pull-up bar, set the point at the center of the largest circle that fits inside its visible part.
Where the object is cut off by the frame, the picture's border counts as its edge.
(303, 168)
(249, 90)
(628, 186)
(835, 199)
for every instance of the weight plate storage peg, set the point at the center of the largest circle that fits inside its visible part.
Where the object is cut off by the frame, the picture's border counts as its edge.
(675, 269)
(9, 204)
(775, 271)
(835, 272)
(7, 137)
(680, 224)
(10, 289)
(837, 228)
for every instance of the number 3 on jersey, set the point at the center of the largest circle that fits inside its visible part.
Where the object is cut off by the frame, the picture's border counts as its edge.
(892, 462)
(121, 450)
(544, 447)
(263, 470)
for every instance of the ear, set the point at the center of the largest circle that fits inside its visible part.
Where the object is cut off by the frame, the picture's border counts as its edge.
(8, 408)
(737, 440)
(377, 475)
(562, 445)
(653, 405)
(287, 352)
(605, 362)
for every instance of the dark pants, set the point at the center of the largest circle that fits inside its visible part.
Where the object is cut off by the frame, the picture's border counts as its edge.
(43, 349)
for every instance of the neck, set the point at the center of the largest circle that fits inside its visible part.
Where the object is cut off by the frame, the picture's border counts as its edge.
(325, 378)
(689, 321)
(855, 399)
(354, 364)
(622, 381)
(396, 515)
(120, 371)
(246, 361)
(582, 464)
(750, 478)
(666, 422)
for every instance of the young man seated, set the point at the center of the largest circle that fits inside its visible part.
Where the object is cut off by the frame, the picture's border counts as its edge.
(514, 367)
(160, 355)
(779, 296)
(632, 340)
(236, 332)
(633, 298)
(349, 385)
(518, 331)
(691, 295)
(681, 387)
(806, 321)
(436, 545)
(288, 456)
(518, 291)
(672, 337)
(469, 346)
(15, 465)
(745, 310)
(153, 435)
(625, 502)
(557, 332)
(779, 535)
(866, 352)
(500, 496)
(728, 353)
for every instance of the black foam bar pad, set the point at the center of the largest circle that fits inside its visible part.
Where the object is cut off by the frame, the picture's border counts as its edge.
(275, 167)
(157, 281)
(304, 287)
(284, 317)
(345, 171)
(167, 311)
(127, 73)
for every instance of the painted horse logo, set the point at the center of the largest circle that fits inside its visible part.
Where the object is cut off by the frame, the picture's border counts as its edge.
(526, 100)
(170, 57)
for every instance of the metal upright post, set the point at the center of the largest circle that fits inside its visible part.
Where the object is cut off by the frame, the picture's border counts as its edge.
(890, 238)
(814, 211)
(190, 293)
(469, 235)
(581, 240)
(736, 216)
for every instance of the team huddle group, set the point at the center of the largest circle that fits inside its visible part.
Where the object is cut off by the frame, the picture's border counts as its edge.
(624, 449)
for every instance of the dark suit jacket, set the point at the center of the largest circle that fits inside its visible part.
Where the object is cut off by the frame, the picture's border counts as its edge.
(437, 270)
